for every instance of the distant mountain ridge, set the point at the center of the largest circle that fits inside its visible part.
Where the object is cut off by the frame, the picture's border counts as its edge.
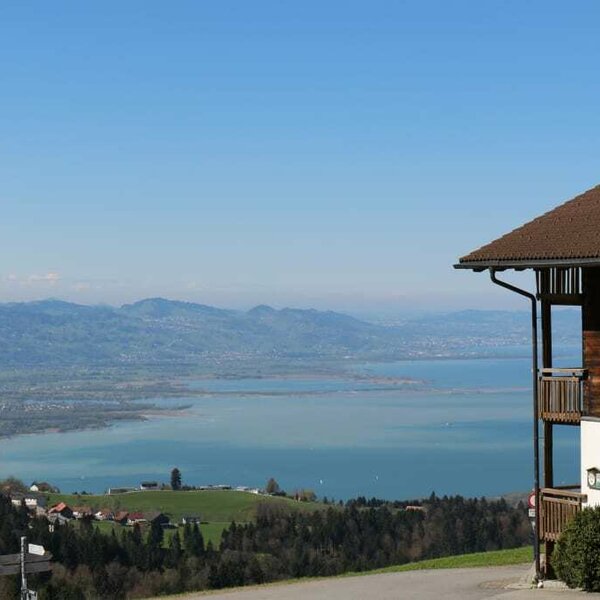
(157, 330)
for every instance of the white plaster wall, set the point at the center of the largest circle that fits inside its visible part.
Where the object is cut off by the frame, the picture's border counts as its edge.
(590, 457)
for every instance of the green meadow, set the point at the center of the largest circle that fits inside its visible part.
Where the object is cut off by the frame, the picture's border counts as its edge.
(216, 508)
(494, 558)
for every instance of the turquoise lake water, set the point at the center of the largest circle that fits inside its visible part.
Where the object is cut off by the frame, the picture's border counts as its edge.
(462, 426)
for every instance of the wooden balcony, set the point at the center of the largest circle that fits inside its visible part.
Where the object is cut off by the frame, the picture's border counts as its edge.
(559, 506)
(560, 395)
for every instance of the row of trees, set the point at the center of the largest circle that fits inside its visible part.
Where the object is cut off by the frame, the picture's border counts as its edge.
(280, 544)
(356, 539)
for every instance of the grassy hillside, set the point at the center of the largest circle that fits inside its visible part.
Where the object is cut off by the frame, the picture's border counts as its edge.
(216, 508)
(496, 558)
(210, 505)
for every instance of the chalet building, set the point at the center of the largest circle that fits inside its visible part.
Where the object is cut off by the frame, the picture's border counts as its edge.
(191, 520)
(121, 517)
(61, 509)
(149, 486)
(136, 518)
(43, 486)
(562, 249)
(83, 512)
(104, 514)
(156, 516)
(55, 519)
(31, 500)
(140, 518)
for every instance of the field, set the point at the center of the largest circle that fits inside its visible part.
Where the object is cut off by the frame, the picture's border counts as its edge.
(216, 508)
(210, 505)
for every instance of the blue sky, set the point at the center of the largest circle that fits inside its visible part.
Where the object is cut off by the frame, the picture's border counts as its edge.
(331, 154)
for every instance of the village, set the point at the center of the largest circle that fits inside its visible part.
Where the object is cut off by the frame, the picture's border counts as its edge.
(36, 501)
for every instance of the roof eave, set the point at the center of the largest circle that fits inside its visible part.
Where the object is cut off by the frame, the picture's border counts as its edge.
(520, 265)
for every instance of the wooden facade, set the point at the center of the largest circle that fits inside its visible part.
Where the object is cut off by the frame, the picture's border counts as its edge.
(565, 395)
(562, 247)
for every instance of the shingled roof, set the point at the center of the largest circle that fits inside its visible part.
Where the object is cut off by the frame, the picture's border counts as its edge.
(567, 235)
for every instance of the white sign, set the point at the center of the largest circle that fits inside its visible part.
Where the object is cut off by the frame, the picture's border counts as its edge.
(35, 549)
(532, 513)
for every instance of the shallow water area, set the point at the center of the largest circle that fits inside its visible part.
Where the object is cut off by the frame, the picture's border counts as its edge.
(393, 430)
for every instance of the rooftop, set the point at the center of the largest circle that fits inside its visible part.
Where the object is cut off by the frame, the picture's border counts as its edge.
(568, 235)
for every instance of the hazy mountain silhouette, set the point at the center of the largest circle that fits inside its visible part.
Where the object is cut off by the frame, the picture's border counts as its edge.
(157, 330)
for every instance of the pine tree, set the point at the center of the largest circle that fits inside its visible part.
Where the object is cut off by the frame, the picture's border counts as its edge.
(175, 479)
(155, 537)
(272, 487)
(175, 553)
(197, 545)
(187, 539)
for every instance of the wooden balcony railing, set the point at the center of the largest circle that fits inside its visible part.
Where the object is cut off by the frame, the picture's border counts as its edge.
(560, 395)
(559, 506)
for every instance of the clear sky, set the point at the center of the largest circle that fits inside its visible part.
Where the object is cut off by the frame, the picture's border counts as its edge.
(337, 154)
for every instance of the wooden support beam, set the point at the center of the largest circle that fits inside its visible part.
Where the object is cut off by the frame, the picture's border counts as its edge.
(591, 341)
(547, 364)
(548, 453)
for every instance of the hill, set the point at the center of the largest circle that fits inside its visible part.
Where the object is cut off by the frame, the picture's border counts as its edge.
(216, 508)
(210, 505)
(281, 544)
(156, 331)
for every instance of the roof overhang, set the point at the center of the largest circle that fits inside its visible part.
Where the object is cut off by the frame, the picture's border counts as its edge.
(521, 265)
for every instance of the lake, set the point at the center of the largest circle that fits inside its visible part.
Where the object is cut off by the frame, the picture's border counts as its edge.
(392, 430)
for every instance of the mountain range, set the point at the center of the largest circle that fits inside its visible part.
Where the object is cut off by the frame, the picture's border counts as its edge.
(156, 330)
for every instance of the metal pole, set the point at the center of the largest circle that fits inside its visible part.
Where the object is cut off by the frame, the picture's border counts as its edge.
(536, 435)
(24, 593)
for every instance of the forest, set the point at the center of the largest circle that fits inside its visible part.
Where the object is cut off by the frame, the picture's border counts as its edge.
(362, 535)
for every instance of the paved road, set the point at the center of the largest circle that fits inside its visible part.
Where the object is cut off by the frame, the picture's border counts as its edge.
(450, 584)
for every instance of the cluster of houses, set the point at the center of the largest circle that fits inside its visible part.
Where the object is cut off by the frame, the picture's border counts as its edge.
(64, 512)
(36, 502)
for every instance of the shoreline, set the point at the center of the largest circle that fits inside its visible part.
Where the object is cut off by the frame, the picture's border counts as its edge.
(154, 391)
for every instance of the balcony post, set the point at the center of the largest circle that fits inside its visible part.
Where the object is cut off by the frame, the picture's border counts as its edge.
(547, 364)
(546, 311)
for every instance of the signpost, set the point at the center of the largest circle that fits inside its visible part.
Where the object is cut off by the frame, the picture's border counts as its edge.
(35, 549)
(32, 559)
(531, 511)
